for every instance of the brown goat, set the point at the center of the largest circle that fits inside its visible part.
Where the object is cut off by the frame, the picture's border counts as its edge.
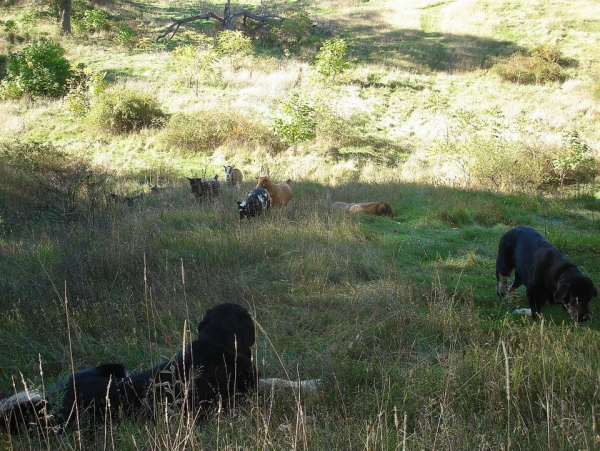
(280, 193)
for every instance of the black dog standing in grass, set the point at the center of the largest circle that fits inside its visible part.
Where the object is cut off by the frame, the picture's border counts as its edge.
(213, 370)
(545, 272)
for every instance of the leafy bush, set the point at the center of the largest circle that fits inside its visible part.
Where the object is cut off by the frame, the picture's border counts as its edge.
(295, 120)
(124, 33)
(233, 43)
(330, 59)
(197, 63)
(38, 70)
(92, 21)
(540, 65)
(208, 129)
(82, 88)
(123, 110)
(294, 31)
(573, 162)
(476, 154)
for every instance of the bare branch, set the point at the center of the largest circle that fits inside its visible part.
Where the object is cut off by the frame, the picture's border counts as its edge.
(226, 22)
(174, 27)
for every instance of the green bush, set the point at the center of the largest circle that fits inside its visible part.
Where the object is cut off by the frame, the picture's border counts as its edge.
(39, 70)
(233, 44)
(197, 63)
(330, 60)
(82, 88)
(123, 110)
(573, 163)
(50, 184)
(92, 21)
(124, 33)
(295, 120)
(294, 31)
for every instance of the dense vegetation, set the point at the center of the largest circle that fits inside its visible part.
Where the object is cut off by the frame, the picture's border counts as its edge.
(467, 117)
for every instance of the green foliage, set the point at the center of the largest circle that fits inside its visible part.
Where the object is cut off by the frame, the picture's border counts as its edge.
(295, 120)
(93, 21)
(119, 110)
(124, 33)
(574, 162)
(39, 70)
(540, 65)
(9, 26)
(294, 31)
(330, 61)
(197, 63)
(232, 44)
(478, 153)
(84, 85)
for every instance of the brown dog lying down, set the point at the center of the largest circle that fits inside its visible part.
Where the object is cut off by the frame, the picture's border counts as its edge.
(374, 208)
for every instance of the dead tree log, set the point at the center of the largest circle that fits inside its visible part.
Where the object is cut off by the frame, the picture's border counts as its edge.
(226, 21)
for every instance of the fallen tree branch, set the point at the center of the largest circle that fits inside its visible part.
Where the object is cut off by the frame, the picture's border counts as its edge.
(226, 22)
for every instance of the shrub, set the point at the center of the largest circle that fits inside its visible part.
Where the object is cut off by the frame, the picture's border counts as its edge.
(123, 110)
(197, 63)
(82, 88)
(295, 120)
(124, 34)
(330, 59)
(208, 129)
(294, 31)
(233, 44)
(540, 65)
(573, 162)
(92, 21)
(38, 70)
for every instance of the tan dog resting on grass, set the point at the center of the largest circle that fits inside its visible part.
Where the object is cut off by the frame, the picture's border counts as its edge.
(280, 193)
(373, 208)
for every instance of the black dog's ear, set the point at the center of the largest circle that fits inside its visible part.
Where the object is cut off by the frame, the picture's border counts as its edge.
(562, 291)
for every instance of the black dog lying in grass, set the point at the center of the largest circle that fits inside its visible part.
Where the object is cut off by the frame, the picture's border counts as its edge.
(545, 272)
(212, 370)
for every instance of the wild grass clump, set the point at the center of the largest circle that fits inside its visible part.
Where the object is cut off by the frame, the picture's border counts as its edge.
(118, 110)
(541, 65)
(207, 129)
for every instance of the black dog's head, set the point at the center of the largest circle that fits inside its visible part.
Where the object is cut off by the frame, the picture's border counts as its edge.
(575, 291)
(229, 327)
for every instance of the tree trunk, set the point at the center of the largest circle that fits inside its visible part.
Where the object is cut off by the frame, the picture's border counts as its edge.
(64, 14)
(227, 19)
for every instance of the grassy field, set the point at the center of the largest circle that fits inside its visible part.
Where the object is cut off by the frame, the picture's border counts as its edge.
(399, 318)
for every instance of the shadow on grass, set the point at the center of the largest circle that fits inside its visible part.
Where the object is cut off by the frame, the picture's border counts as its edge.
(414, 49)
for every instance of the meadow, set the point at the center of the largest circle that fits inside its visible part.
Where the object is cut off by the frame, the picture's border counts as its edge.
(398, 318)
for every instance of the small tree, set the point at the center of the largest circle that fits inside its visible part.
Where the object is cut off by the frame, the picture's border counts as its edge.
(573, 160)
(295, 120)
(38, 70)
(330, 60)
